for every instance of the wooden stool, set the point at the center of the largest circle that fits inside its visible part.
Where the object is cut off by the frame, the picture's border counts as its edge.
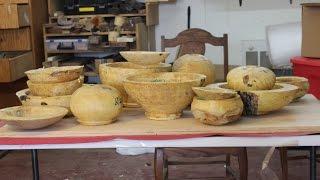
(161, 160)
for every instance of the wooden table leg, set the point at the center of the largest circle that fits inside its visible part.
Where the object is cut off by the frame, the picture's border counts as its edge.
(35, 165)
(243, 164)
(313, 163)
(284, 162)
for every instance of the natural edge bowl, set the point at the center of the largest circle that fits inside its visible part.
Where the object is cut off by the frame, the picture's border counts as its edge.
(163, 95)
(114, 74)
(55, 74)
(32, 117)
(144, 57)
(257, 102)
(301, 82)
(27, 99)
(54, 89)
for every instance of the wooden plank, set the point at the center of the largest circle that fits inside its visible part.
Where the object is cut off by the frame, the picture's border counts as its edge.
(152, 14)
(151, 38)
(39, 16)
(15, 39)
(141, 37)
(298, 118)
(52, 19)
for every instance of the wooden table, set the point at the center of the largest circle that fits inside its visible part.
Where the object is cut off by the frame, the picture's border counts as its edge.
(295, 125)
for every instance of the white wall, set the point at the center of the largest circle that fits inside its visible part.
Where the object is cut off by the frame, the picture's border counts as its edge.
(225, 16)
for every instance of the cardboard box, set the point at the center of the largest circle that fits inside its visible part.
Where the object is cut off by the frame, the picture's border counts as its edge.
(310, 30)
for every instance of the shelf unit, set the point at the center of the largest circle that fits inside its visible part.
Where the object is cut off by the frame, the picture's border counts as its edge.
(144, 33)
(21, 37)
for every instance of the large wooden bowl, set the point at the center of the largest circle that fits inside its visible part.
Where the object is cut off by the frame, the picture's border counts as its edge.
(27, 99)
(55, 74)
(32, 117)
(54, 89)
(145, 57)
(113, 74)
(163, 95)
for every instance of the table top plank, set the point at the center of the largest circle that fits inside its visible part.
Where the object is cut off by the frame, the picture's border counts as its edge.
(298, 118)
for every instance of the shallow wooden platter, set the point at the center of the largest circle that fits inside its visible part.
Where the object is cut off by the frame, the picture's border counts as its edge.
(299, 118)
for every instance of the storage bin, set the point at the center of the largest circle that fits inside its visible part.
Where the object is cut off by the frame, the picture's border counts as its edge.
(14, 16)
(67, 44)
(14, 64)
(310, 69)
(15, 39)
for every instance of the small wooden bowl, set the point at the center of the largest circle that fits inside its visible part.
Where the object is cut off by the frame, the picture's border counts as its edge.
(54, 89)
(145, 57)
(54, 74)
(32, 117)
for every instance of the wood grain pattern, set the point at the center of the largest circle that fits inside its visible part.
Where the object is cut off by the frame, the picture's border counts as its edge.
(298, 118)
(15, 39)
(152, 14)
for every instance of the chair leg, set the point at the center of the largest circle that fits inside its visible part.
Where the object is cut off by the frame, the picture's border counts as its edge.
(284, 162)
(159, 164)
(228, 165)
(243, 164)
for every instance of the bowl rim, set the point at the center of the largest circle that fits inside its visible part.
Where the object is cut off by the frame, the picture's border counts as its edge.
(145, 52)
(163, 65)
(201, 78)
(40, 71)
(61, 111)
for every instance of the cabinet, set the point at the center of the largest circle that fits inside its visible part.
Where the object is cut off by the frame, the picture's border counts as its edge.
(21, 41)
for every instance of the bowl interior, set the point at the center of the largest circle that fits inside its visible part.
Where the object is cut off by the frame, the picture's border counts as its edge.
(144, 56)
(291, 79)
(214, 93)
(166, 78)
(32, 112)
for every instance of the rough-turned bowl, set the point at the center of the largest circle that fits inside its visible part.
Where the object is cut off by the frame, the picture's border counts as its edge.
(54, 89)
(145, 57)
(114, 74)
(32, 117)
(55, 74)
(27, 99)
(163, 95)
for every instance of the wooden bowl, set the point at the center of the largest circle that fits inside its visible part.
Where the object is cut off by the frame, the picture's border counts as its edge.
(32, 117)
(113, 74)
(54, 89)
(301, 82)
(145, 57)
(257, 102)
(27, 99)
(163, 95)
(55, 74)
(207, 93)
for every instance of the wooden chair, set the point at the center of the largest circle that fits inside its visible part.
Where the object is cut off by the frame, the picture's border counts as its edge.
(285, 158)
(193, 41)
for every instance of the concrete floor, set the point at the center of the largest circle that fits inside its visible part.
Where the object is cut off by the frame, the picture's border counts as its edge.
(107, 164)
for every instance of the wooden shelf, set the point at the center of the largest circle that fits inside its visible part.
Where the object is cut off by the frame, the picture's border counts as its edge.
(74, 51)
(100, 15)
(85, 34)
